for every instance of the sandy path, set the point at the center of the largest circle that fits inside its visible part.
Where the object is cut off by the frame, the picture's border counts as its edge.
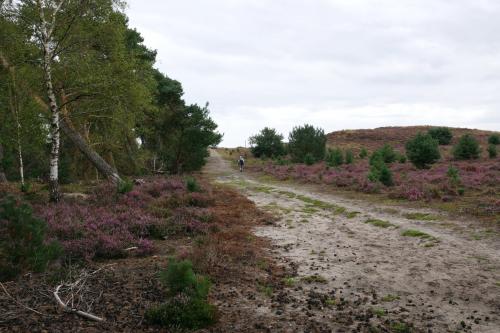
(361, 277)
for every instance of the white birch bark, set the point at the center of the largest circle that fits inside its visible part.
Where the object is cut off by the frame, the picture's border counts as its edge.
(46, 30)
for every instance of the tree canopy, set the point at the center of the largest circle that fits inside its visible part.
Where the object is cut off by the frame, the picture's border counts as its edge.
(114, 107)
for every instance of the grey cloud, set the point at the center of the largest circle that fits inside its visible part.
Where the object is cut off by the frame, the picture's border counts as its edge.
(362, 57)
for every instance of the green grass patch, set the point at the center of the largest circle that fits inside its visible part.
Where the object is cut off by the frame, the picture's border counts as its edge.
(380, 312)
(420, 216)
(416, 233)
(380, 223)
(290, 195)
(351, 215)
(263, 189)
(265, 289)
(330, 302)
(309, 210)
(400, 328)
(289, 281)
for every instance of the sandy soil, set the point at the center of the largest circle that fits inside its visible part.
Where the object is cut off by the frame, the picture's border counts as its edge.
(352, 276)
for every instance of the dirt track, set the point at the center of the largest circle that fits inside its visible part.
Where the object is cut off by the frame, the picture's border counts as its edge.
(357, 276)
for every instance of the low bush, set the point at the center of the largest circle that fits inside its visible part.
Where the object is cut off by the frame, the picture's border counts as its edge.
(453, 176)
(192, 185)
(442, 134)
(388, 153)
(379, 172)
(349, 157)
(334, 157)
(309, 159)
(423, 150)
(186, 305)
(363, 153)
(494, 139)
(23, 243)
(492, 151)
(467, 148)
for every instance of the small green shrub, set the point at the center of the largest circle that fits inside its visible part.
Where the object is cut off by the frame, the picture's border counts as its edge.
(388, 153)
(182, 312)
(467, 148)
(186, 305)
(379, 172)
(363, 153)
(442, 134)
(494, 139)
(492, 151)
(453, 176)
(423, 150)
(125, 186)
(334, 157)
(349, 157)
(402, 159)
(192, 185)
(22, 241)
(309, 159)
(386, 176)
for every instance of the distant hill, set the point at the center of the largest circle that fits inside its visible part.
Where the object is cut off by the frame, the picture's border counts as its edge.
(372, 139)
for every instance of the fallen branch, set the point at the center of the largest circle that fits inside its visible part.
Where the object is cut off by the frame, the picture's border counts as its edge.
(78, 285)
(68, 309)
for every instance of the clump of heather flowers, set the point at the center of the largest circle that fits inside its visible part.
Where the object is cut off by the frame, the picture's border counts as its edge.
(108, 223)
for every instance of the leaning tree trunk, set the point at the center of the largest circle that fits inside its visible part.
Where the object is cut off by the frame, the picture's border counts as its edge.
(96, 160)
(66, 127)
(3, 179)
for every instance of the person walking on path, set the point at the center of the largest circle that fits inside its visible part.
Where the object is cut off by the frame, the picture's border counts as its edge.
(241, 163)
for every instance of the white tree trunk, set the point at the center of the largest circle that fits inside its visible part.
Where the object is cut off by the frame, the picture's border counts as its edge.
(46, 30)
(15, 113)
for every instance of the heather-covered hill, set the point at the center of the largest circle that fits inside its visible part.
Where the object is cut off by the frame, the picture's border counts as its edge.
(396, 136)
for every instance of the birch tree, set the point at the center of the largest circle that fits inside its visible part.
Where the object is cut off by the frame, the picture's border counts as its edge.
(48, 11)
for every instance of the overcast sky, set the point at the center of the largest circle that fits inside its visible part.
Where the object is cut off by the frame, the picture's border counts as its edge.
(337, 64)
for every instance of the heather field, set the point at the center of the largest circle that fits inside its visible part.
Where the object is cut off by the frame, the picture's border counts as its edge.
(476, 194)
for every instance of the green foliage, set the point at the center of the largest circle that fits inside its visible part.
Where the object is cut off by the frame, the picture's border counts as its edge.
(124, 186)
(388, 153)
(178, 134)
(192, 185)
(494, 139)
(22, 241)
(309, 159)
(334, 157)
(349, 157)
(363, 153)
(423, 150)
(379, 172)
(180, 312)
(186, 305)
(402, 159)
(267, 143)
(492, 151)
(453, 176)
(442, 134)
(467, 148)
(306, 139)
(129, 112)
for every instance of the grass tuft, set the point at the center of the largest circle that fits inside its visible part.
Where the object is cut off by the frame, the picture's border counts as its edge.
(380, 223)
